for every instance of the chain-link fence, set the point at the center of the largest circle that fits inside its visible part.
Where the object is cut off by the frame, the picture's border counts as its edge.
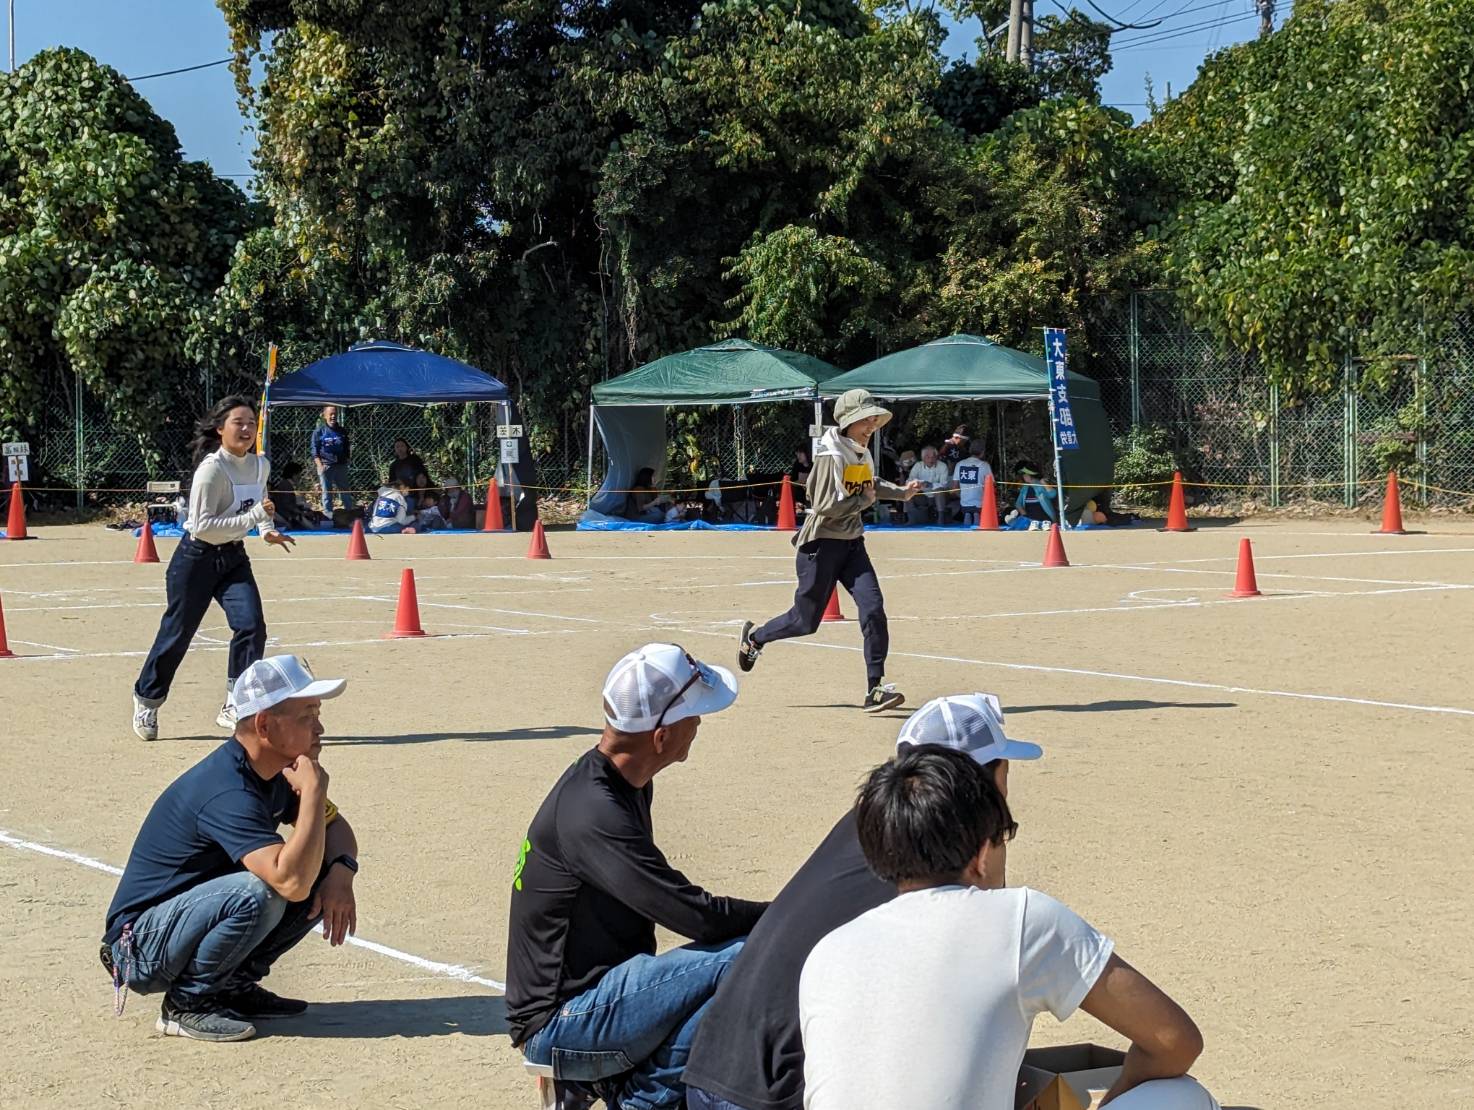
(1176, 398)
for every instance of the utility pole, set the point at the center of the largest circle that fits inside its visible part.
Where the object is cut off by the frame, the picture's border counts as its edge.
(1015, 29)
(1026, 37)
(1266, 17)
(12, 36)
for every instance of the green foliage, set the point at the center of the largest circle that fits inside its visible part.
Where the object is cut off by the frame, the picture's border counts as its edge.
(110, 246)
(1327, 174)
(1144, 466)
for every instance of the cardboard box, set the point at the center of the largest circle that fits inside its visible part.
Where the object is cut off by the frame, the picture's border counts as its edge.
(1069, 1077)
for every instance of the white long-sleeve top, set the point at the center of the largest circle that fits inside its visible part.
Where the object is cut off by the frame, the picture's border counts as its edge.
(225, 497)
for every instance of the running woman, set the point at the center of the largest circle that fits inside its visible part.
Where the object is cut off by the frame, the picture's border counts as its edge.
(831, 545)
(227, 499)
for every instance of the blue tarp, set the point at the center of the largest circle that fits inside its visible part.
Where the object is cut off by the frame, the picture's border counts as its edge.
(174, 532)
(378, 373)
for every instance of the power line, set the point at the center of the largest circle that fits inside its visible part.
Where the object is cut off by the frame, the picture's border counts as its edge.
(1151, 40)
(186, 69)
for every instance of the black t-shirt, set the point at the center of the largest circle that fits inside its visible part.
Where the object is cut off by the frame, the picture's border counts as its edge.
(589, 889)
(203, 823)
(748, 1049)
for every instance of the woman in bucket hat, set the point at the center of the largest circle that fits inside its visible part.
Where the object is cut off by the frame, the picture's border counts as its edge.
(831, 545)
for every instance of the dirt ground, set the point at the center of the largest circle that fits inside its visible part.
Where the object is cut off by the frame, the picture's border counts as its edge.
(1264, 802)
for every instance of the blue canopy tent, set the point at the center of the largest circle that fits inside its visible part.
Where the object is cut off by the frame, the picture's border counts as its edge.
(379, 372)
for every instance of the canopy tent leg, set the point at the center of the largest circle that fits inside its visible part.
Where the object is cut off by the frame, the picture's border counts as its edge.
(509, 473)
(818, 427)
(588, 476)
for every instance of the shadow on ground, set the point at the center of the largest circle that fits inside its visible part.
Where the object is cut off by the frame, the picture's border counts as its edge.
(537, 732)
(472, 1015)
(1117, 706)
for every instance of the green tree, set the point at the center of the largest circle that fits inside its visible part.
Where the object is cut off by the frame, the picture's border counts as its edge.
(111, 244)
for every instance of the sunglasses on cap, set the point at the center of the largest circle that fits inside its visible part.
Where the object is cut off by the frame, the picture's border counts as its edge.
(700, 672)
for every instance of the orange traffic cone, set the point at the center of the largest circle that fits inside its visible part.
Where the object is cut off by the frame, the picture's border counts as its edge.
(357, 546)
(1392, 509)
(1177, 507)
(15, 526)
(5, 652)
(988, 514)
(407, 616)
(538, 549)
(146, 552)
(787, 517)
(1054, 550)
(494, 522)
(1245, 584)
(832, 611)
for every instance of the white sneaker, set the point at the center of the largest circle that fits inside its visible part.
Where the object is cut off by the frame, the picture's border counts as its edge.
(145, 720)
(226, 720)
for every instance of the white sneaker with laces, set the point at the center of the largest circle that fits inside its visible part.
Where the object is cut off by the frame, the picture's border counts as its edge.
(145, 720)
(226, 719)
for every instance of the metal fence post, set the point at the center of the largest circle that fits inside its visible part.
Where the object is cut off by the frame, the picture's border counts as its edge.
(1275, 493)
(1349, 468)
(79, 430)
(1133, 343)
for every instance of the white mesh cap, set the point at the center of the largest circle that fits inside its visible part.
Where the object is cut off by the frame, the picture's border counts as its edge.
(269, 682)
(663, 683)
(971, 723)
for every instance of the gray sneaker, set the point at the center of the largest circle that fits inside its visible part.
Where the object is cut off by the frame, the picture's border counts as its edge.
(145, 720)
(882, 697)
(227, 718)
(202, 1022)
(747, 651)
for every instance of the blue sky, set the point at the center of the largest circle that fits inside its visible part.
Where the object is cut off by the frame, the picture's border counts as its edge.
(140, 37)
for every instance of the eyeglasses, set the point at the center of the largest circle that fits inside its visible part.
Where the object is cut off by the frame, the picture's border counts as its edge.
(700, 672)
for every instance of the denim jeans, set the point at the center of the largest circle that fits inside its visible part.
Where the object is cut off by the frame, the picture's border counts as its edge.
(820, 564)
(217, 936)
(640, 1019)
(199, 573)
(334, 479)
(697, 1099)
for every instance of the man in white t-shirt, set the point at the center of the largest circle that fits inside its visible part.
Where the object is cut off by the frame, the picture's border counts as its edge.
(936, 480)
(928, 1000)
(969, 475)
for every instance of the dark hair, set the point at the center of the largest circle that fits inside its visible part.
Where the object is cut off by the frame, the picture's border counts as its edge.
(960, 430)
(207, 431)
(645, 479)
(927, 813)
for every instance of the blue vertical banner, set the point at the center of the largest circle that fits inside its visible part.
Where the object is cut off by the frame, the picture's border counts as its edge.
(1056, 358)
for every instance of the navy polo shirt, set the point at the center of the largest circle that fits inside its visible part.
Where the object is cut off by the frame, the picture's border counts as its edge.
(200, 827)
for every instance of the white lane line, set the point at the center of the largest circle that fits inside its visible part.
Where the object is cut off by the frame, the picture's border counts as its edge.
(448, 971)
(48, 647)
(1151, 679)
(509, 612)
(159, 602)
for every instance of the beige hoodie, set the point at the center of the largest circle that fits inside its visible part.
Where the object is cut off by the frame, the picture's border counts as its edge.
(838, 483)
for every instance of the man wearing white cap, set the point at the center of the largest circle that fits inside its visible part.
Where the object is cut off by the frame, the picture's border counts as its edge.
(929, 999)
(212, 896)
(831, 546)
(748, 1053)
(586, 992)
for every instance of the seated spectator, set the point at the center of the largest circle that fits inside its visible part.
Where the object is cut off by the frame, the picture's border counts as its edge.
(405, 467)
(586, 992)
(936, 480)
(428, 517)
(970, 475)
(798, 473)
(1035, 500)
(904, 465)
(390, 512)
(290, 512)
(955, 447)
(456, 505)
(748, 1054)
(928, 1000)
(645, 503)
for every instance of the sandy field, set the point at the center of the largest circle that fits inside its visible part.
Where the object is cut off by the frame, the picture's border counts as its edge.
(1265, 802)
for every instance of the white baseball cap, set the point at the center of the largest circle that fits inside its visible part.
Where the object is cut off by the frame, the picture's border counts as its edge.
(269, 682)
(660, 684)
(971, 723)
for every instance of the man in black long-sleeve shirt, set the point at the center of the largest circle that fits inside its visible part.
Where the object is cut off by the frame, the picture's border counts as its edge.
(585, 990)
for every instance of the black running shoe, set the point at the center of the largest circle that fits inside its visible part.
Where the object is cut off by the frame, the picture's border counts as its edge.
(882, 696)
(203, 1020)
(747, 651)
(255, 1001)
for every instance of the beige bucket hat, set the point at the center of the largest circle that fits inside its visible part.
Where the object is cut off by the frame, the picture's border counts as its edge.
(855, 405)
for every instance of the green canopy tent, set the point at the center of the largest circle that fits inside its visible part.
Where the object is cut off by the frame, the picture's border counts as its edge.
(971, 368)
(629, 411)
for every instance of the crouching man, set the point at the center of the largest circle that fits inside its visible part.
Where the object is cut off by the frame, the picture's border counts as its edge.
(212, 896)
(586, 992)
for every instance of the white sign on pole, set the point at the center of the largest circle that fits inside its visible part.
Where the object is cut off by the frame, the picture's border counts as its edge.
(509, 431)
(15, 449)
(816, 431)
(17, 468)
(509, 451)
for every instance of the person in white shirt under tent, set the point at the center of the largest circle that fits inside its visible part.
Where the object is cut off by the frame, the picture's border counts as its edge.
(227, 500)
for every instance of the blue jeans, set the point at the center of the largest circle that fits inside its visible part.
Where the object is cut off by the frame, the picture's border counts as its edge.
(334, 479)
(697, 1099)
(640, 1018)
(199, 573)
(217, 936)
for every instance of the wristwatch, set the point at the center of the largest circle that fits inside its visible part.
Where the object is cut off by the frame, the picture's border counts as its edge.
(347, 861)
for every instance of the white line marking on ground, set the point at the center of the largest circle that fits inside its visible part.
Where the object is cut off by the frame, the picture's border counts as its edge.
(48, 647)
(448, 971)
